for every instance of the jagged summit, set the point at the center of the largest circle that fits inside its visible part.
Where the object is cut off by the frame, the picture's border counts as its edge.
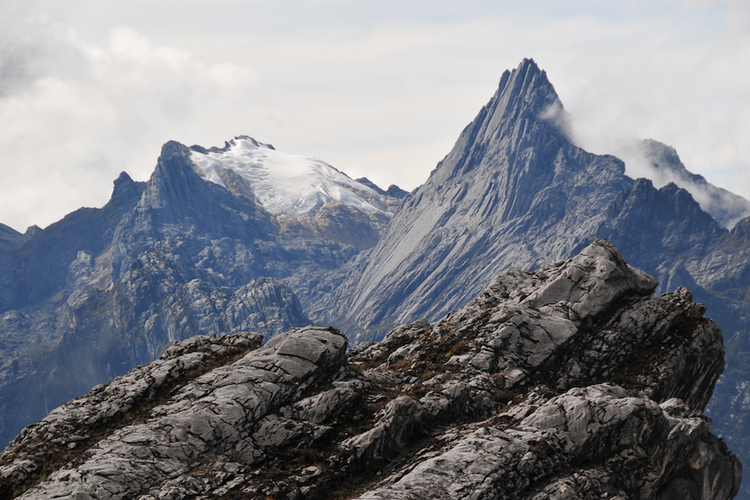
(282, 183)
(393, 192)
(524, 106)
(126, 191)
(512, 170)
(524, 92)
(665, 167)
(228, 145)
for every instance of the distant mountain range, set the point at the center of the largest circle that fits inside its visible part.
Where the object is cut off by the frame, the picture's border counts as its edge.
(244, 237)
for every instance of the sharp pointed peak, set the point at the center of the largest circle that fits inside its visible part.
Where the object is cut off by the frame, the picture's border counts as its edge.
(170, 148)
(529, 66)
(530, 83)
(525, 110)
(525, 66)
(523, 94)
(123, 178)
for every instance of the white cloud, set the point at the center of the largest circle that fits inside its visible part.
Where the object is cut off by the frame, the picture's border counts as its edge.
(74, 114)
(377, 89)
(682, 84)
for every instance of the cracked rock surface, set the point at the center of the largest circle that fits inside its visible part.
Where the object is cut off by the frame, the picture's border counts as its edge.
(569, 382)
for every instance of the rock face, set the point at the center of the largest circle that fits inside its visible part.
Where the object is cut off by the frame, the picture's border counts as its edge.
(515, 191)
(568, 382)
(105, 290)
(10, 240)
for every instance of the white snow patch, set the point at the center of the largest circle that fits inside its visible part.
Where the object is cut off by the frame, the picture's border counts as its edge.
(284, 183)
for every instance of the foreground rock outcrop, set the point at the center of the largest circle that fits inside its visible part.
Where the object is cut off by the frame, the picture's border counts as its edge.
(569, 382)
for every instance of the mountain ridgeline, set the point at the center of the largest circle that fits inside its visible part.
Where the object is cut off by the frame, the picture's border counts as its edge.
(234, 239)
(514, 191)
(105, 290)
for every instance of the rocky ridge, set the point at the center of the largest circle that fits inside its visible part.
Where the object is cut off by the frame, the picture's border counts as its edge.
(515, 190)
(572, 381)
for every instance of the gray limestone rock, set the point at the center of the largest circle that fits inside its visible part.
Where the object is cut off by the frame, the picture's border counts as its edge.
(221, 410)
(571, 381)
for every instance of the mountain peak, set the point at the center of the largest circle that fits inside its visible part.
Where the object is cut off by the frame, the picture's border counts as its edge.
(528, 83)
(283, 183)
(525, 113)
(126, 191)
(513, 169)
(662, 165)
(524, 92)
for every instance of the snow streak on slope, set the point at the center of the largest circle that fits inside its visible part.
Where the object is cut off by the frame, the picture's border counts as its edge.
(283, 183)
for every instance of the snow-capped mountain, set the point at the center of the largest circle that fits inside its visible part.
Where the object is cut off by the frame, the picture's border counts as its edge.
(282, 183)
(193, 250)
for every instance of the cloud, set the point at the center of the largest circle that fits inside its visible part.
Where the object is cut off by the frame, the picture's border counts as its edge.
(380, 89)
(74, 114)
(680, 77)
(670, 70)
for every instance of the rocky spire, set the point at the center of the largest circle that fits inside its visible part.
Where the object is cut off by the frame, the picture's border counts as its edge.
(524, 107)
(512, 169)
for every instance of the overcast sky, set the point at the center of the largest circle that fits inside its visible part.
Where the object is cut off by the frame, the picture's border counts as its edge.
(89, 88)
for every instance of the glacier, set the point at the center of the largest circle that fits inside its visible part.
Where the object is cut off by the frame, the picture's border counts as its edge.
(283, 183)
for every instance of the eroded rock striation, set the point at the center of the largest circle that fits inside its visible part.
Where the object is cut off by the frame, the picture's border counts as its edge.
(572, 381)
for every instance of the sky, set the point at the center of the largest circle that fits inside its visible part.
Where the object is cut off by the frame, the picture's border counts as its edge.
(378, 89)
